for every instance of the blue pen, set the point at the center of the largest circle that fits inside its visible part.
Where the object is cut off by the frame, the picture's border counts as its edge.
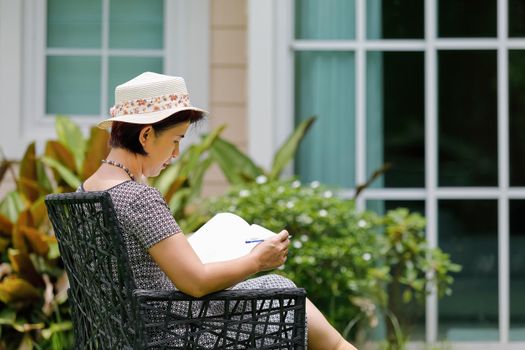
(260, 240)
(254, 241)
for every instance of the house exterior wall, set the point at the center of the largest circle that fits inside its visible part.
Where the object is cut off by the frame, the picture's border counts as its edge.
(228, 76)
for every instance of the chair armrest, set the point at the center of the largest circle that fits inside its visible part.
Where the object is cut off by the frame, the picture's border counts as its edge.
(237, 294)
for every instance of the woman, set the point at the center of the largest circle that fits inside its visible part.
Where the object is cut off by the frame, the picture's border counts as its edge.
(149, 120)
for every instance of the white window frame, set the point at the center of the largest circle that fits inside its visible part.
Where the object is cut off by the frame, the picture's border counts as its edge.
(11, 98)
(271, 109)
(185, 53)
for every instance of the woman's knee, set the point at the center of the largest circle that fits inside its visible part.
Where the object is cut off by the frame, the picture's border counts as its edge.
(278, 281)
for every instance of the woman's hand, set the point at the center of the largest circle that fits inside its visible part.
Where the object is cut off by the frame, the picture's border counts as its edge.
(272, 252)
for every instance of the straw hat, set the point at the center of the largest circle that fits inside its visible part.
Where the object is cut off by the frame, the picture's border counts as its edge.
(149, 98)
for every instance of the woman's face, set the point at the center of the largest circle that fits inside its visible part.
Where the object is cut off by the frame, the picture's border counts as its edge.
(161, 147)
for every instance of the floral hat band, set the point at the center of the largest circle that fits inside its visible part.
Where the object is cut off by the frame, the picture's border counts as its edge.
(148, 99)
(153, 104)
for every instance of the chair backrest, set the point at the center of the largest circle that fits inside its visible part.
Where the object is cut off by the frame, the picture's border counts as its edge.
(103, 308)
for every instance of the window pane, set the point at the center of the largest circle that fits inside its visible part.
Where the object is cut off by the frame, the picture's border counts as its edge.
(468, 146)
(517, 117)
(74, 23)
(517, 270)
(382, 206)
(471, 312)
(328, 19)
(412, 315)
(73, 85)
(122, 69)
(136, 24)
(516, 16)
(467, 18)
(325, 88)
(402, 19)
(396, 118)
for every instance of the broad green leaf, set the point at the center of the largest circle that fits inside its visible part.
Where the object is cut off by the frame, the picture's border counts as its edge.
(6, 226)
(5, 164)
(190, 160)
(236, 166)
(195, 153)
(197, 176)
(210, 138)
(97, 149)
(14, 288)
(59, 152)
(194, 189)
(170, 180)
(70, 135)
(194, 222)
(39, 211)
(7, 316)
(173, 175)
(176, 185)
(4, 243)
(287, 151)
(24, 267)
(36, 240)
(29, 188)
(69, 177)
(28, 179)
(28, 163)
(54, 252)
(25, 219)
(12, 205)
(164, 181)
(19, 239)
(43, 180)
(178, 199)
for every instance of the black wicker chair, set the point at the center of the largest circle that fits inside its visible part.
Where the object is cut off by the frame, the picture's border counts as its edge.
(108, 311)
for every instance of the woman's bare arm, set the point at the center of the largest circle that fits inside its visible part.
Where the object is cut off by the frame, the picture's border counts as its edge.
(176, 258)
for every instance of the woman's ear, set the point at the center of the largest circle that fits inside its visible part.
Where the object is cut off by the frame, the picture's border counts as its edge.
(145, 134)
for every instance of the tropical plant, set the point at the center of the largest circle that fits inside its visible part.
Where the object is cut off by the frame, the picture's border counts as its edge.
(72, 157)
(238, 168)
(33, 283)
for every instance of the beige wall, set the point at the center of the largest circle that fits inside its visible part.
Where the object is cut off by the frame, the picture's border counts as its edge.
(227, 79)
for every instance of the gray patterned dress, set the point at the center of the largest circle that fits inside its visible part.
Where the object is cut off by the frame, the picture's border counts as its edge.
(145, 220)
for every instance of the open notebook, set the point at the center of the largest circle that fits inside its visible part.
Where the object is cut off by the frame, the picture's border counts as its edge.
(226, 236)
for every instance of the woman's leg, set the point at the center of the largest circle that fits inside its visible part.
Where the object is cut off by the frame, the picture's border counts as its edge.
(321, 334)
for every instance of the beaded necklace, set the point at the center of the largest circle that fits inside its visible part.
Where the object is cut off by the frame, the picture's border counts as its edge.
(118, 165)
